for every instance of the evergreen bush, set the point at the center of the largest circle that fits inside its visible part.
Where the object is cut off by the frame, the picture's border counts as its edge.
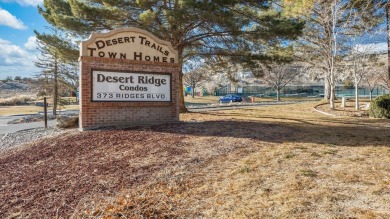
(380, 107)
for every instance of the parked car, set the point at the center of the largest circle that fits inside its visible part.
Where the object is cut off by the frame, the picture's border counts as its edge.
(230, 98)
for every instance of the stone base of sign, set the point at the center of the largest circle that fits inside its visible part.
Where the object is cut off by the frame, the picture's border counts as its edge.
(95, 115)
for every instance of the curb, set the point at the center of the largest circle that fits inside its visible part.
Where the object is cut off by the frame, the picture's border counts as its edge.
(322, 112)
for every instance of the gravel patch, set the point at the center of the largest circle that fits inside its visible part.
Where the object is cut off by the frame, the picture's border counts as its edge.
(12, 140)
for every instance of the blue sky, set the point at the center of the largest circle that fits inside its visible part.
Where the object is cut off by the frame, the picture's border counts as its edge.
(18, 20)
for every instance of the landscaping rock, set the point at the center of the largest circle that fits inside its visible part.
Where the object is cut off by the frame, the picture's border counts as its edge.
(31, 118)
(67, 121)
(366, 107)
(13, 140)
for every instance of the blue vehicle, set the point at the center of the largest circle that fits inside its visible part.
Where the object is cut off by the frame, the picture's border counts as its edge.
(230, 98)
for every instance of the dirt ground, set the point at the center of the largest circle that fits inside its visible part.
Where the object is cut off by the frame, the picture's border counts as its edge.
(265, 162)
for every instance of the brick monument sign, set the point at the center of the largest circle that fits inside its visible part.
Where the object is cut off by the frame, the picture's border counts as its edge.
(128, 77)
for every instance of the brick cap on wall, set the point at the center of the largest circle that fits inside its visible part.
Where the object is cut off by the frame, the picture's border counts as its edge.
(95, 35)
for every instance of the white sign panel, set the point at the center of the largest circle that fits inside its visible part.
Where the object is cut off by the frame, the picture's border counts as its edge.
(111, 86)
(129, 43)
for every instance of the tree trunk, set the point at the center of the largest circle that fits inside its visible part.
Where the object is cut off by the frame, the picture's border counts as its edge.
(193, 92)
(370, 95)
(278, 94)
(356, 97)
(326, 90)
(332, 83)
(332, 91)
(388, 41)
(182, 106)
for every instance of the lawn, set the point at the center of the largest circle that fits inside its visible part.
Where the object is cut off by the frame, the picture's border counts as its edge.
(29, 109)
(8, 107)
(265, 162)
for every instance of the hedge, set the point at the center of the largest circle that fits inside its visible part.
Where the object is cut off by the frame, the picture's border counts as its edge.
(380, 107)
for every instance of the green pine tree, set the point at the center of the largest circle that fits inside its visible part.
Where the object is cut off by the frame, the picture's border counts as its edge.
(195, 28)
(58, 61)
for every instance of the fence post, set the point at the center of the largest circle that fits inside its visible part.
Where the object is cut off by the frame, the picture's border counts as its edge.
(343, 102)
(45, 110)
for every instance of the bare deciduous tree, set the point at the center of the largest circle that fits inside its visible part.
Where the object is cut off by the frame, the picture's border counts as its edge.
(279, 75)
(384, 79)
(362, 59)
(329, 22)
(194, 79)
(370, 81)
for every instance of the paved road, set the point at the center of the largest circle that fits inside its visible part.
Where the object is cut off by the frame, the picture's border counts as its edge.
(11, 128)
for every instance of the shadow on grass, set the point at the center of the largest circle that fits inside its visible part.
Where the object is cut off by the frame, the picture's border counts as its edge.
(300, 131)
(52, 177)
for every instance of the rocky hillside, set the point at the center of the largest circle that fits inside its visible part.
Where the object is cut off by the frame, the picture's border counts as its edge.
(14, 88)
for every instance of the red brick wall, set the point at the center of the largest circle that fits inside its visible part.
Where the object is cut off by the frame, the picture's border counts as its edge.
(104, 114)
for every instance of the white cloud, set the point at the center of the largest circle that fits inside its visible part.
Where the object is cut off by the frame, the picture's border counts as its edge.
(14, 60)
(10, 20)
(31, 43)
(24, 2)
(11, 54)
(371, 47)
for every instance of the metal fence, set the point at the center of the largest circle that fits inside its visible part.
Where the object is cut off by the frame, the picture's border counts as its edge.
(299, 91)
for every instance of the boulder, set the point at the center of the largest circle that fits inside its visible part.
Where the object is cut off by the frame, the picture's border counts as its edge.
(67, 121)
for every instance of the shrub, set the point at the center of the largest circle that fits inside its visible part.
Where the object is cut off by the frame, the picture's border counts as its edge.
(18, 100)
(380, 107)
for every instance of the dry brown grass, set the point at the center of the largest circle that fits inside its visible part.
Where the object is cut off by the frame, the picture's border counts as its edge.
(16, 110)
(202, 99)
(348, 110)
(270, 162)
(17, 105)
(266, 162)
(16, 100)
